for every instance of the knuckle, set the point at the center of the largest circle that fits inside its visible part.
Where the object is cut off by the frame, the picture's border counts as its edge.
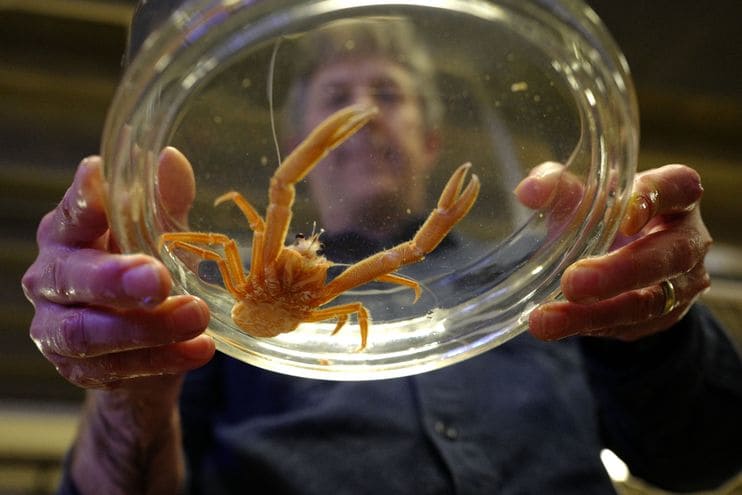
(29, 283)
(70, 369)
(688, 251)
(699, 279)
(85, 373)
(58, 332)
(72, 338)
(699, 244)
(41, 280)
(43, 337)
(649, 304)
(66, 346)
(35, 280)
(47, 224)
(38, 336)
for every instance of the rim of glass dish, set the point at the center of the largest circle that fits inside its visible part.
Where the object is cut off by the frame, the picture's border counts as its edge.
(487, 324)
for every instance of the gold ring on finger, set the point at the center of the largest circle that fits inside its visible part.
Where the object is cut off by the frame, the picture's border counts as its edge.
(671, 298)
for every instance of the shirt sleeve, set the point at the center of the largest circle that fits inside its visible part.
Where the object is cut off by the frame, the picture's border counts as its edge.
(669, 405)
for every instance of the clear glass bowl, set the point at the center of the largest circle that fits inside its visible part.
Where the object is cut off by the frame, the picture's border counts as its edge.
(518, 83)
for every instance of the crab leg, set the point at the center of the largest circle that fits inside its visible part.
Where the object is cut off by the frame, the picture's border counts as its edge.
(330, 133)
(452, 206)
(231, 269)
(341, 312)
(256, 224)
(393, 278)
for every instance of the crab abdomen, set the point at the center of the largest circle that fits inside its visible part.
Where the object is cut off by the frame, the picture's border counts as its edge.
(267, 318)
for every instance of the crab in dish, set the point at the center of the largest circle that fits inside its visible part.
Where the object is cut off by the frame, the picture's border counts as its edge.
(286, 285)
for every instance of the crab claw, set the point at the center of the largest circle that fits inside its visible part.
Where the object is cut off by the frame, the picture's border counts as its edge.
(455, 202)
(453, 205)
(332, 132)
(329, 134)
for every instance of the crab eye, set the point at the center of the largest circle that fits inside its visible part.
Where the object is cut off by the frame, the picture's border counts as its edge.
(300, 236)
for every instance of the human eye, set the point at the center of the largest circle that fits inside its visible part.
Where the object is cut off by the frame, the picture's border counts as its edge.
(388, 94)
(334, 98)
(389, 97)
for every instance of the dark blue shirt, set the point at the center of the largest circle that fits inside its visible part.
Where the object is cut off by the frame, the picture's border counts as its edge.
(526, 417)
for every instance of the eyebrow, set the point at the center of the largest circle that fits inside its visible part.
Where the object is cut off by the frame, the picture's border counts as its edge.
(340, 82)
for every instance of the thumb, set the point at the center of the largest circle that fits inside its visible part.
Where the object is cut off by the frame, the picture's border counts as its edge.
(176, 185)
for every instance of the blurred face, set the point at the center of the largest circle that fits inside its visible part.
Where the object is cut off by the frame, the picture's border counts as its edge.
(375, 182)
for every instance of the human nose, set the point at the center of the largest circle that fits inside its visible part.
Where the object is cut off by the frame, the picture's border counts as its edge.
(364, 96)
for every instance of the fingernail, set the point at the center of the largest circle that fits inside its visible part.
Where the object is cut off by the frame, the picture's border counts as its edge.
(542, 186)
(638, 213)
(533, 192)
(143, 283)
(580, 283)
(189, 317)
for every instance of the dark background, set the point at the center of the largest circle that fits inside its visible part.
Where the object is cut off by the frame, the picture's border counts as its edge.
(60, 63)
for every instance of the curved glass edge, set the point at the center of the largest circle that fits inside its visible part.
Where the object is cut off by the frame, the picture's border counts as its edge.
(329, 369)
(134, 228)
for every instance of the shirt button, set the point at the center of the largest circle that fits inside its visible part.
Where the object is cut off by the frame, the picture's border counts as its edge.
(452, 433)
(448, 432)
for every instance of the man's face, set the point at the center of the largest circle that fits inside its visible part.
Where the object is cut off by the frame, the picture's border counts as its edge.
(379, 175)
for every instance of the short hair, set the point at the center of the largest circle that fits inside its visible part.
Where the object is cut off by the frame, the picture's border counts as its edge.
(393, 38)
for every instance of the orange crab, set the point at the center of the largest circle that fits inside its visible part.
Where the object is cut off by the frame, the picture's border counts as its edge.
(287, 285)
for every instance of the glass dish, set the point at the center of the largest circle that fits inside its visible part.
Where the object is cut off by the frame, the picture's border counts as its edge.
(519, 83)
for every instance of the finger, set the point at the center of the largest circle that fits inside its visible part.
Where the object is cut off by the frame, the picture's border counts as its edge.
(626, 316)
(83, 332)
(113, 370)
(176, 184)
(538, 189)
(80, 218)
(664, 191)
(634, 331)
(645, 261)
(564, 319)
(551, 187)
(89, 276)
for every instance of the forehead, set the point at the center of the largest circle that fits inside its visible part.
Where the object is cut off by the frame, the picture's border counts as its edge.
(361, 72)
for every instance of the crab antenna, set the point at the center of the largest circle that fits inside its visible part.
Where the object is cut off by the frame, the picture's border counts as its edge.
(271, 75)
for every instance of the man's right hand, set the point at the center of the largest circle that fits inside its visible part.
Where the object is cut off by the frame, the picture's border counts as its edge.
(106, 321)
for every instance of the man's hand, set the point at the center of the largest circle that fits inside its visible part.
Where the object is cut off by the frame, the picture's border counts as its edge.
(106, 322)
(621, 294)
